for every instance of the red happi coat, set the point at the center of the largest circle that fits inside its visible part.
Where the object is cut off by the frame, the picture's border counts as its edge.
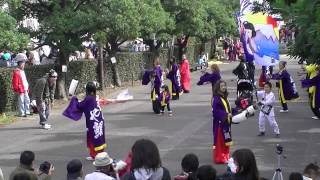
(185, 75)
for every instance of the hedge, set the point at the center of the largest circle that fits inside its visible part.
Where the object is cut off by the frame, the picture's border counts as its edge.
(131, 65)
(7, 98)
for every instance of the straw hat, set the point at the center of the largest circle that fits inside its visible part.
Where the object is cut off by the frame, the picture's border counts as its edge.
(102, 159)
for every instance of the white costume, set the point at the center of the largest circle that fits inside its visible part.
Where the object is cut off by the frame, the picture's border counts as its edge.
(268, 100)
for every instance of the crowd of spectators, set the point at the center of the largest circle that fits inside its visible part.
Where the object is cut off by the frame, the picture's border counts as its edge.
(144, 163)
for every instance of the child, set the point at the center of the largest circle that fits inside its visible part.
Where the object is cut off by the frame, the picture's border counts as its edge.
(190, 165)
(164, 99)
(267, 110)
(286, 85)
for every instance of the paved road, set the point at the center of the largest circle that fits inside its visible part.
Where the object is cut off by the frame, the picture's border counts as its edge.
(189, 130)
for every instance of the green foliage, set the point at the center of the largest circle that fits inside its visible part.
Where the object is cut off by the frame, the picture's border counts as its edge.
(7, 97)
(82, 70)
(64, 25)
(10, 38)
(155, 20)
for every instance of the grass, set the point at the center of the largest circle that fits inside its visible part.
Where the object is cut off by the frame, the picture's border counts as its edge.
(6, 119)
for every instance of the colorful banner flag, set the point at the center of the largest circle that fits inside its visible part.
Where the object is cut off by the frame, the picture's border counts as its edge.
(259, 35)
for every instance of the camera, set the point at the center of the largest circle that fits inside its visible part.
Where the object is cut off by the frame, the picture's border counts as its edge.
(279, 149)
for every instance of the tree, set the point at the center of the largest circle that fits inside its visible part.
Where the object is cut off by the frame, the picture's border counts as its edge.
(64, 25)
(10, 38)
(199, 19)
(119, 21)
(155, 21)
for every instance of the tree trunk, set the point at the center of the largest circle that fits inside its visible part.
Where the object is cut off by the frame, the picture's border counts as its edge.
(62, 77)
(101, 67)
(115, 71)
(213, 48)
(182, 44)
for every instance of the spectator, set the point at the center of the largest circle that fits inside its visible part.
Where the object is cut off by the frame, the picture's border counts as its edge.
(75, 171)
(295, 176)
(44, 94)
(311, 171)
(243, 165)
(22, 176)
(206, 172)
(6, 57)
(45, 171)
(146, 163)
(104, 168)
(25, 167)
(189, 164)
(21, 86)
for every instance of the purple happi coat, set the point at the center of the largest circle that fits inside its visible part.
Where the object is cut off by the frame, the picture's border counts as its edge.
(158, 79)
(315, 81)
(287, 87)
(209, 77)
(164, 98)
(220, 110)
(155, 81)
(94, 122)
(175, 86)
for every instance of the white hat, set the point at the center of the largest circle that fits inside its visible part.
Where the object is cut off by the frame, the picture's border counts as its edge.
(21, 57)
(102, 159)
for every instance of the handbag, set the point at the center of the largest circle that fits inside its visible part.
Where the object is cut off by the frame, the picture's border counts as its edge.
(266, 109)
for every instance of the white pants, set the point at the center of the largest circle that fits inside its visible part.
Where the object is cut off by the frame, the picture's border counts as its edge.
(272, 122)
(24, 104)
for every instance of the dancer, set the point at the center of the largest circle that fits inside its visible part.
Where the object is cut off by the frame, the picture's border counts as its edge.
(185, 74)
(95, 123)
(314, 85)
(164, 99)
(311, 72)
(212, 77)
(267, 110)
(155, 77)
(286, 85)
(222, 117)
(174, 77)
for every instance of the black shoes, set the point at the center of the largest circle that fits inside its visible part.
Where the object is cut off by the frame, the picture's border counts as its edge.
(261, 134)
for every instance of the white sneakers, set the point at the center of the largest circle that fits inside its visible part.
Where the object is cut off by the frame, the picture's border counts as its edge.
(46, 126)
(284, 111)
(315, 117)
(89, 158)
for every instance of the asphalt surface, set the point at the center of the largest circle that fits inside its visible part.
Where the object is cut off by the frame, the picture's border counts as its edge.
(188, 130)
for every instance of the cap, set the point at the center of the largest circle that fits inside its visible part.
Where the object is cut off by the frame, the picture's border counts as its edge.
(53, 73)
(21, 57)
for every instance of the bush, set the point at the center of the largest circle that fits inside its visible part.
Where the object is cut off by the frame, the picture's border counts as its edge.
(83, 71)
(7, 100)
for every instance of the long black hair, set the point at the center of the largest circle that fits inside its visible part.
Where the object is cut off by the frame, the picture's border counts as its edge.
(250, 26)
(247, 166)
(216, 89)
(145, 154)
(91, 88)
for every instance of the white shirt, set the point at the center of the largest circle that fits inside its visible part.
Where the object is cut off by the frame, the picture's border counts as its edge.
(98, 176)
(306, 178)
(269, 99)
(24, 80)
